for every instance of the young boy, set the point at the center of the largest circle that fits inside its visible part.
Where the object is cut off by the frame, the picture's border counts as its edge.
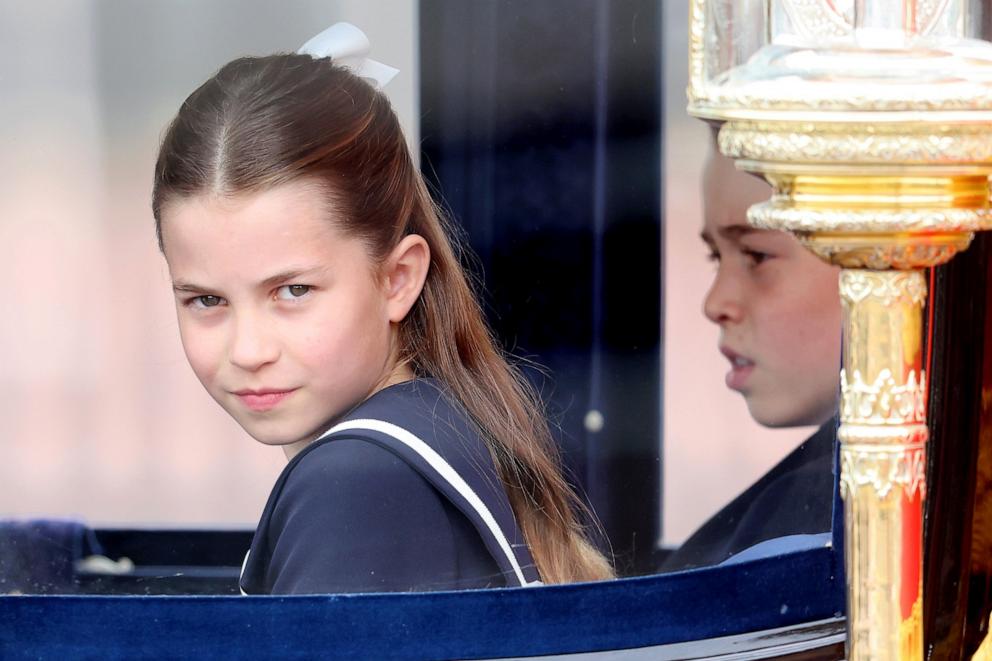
(779, 315)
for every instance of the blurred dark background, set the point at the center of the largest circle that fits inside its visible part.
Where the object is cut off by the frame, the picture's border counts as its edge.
(541, 129)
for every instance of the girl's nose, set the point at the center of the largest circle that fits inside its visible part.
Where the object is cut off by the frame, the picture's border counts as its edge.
(253, 344)
(723, 303)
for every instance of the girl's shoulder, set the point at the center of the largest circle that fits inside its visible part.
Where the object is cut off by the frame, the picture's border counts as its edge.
(420, 409)
(351, 517)
(420, 421)
(414, 441)
(362, 452)
(426, 408)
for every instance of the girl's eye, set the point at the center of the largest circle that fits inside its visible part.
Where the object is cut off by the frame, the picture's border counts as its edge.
(291, 292)
(712, 256)
(205, 301)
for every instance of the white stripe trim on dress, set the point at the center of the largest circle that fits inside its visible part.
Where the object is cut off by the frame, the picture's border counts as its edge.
(438, 463)
(241, 574)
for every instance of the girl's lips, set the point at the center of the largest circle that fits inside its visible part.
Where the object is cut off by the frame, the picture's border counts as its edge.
(263, 400)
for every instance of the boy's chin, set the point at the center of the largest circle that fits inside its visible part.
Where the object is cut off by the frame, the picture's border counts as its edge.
(782, 417)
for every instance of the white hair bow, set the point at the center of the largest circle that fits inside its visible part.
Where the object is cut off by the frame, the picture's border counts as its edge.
(348, 46)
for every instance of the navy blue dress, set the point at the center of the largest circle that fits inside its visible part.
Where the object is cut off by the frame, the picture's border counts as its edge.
(401, 494)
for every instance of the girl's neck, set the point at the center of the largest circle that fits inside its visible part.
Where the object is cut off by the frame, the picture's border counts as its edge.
(400, 373)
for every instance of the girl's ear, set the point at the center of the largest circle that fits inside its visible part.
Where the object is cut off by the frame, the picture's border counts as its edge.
(406, 271)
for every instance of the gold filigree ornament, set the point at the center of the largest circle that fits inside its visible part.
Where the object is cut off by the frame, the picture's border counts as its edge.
(769, 215)
(887, 471)
(882, 252)
(886, 288)
(825, 142)
(884, 400)
(817, 18)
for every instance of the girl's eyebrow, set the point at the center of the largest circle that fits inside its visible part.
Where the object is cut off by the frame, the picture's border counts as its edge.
(290, 274)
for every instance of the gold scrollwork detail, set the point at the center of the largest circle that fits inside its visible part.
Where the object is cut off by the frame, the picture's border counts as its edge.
(773, 216)
(697, 51)
(884, 469)
(817, 19)
(887, 288)
(813, 142)
(880, 257)
(884, 400)
(809, 98)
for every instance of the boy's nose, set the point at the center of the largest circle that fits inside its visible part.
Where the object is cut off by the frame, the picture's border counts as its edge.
(722, 303)
(253, 345)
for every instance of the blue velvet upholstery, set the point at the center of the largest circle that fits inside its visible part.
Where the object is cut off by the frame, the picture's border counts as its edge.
(769, 592)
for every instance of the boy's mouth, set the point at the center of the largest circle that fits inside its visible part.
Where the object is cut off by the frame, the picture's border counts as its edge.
(263, 399)
(740, 369)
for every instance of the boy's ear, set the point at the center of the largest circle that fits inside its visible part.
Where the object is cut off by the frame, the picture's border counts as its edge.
(406, 271)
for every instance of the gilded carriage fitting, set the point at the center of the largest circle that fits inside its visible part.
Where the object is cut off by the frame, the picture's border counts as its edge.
(891, 471)
(870, 119)
(842, 143)
(885, 401)
(882, 251)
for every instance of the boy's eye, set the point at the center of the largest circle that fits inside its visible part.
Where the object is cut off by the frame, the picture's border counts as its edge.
(755, 257)
(205, 301)
(290, 292)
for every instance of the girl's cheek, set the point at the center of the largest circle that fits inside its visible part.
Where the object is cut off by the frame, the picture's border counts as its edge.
(203, 349)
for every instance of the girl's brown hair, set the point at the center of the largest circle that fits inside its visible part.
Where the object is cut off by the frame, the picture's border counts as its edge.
(262, 122)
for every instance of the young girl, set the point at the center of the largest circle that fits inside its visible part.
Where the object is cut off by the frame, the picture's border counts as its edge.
(321, 304)
(778, 309)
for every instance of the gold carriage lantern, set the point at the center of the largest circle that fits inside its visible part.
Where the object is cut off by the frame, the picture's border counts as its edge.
(872, 120)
